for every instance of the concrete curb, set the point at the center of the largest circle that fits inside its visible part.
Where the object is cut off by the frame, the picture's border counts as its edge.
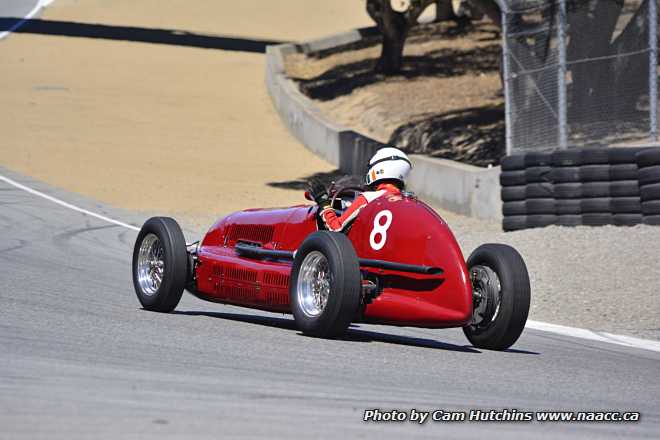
(461, 188)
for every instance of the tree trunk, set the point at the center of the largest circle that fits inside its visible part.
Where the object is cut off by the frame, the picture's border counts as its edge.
(444, 11)
(591, 27)
(391, 56)
(490, 9)
(631, 72)
(394, 27)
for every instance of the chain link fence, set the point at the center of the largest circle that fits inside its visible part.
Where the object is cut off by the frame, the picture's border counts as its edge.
(579, 72)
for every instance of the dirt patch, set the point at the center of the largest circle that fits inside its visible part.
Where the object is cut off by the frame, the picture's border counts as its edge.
(447, 102)
(159, 106)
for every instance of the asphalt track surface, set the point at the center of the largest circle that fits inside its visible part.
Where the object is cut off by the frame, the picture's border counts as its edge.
(17, 8)
(81, 359)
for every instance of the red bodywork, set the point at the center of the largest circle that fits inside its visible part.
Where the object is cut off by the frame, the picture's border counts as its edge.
(416, 235)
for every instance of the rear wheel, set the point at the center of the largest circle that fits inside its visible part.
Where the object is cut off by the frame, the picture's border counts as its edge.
(160, 264)
(501, 296)
(325, 284)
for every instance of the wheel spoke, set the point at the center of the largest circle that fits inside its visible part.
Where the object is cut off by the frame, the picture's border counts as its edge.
(487, 296)
(313, 284)
(150, 264)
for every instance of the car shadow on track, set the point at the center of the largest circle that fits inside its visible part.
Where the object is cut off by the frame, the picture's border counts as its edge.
(352, 335)
(370, 336)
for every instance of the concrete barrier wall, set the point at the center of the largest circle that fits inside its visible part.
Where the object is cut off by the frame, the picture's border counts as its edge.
(457, 187)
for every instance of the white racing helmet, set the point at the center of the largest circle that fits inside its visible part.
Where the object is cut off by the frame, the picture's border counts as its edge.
(388, 164)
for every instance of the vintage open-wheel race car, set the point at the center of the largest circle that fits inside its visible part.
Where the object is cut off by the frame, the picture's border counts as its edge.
(398, 263)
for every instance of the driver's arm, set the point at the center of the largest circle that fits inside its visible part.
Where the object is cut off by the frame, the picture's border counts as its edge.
(337, 224)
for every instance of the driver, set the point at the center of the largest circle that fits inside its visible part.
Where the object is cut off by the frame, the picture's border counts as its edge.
(388, 169)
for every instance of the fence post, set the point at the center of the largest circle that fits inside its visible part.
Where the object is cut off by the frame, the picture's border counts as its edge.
(653, 75)
(507, 86)
(561, 80)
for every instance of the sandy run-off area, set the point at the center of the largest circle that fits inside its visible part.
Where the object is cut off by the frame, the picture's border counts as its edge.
(159, 106)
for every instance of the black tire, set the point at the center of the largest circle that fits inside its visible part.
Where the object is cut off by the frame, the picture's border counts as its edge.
(651, 208)
(538, 159)
(598, 204)
(648, 157)
(514, 208)
(595, 156)
(649, 175)
(568, 190)
(653, 220)
(568, 207)
(537, 174)
(511, 178)
(595, 173)
(527, 207)
(539, 190)
(565, 175)
(597, 219)
(586, 173)
(343, 300)
(540, 206)
(596, 189)
(624, 188)
(514, 223)
(504, 328)
(566, 158)
(514, 162)
(650, 192)
(513, 193)
(627, 219)
(624, 155)
(175, 264)
(569, 220)
(626, 205)
(541, 221)
(626, 171)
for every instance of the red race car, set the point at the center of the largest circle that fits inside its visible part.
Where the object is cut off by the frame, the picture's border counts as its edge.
(398, 263)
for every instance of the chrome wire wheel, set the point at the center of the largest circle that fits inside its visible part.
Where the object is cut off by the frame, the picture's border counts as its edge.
(150, 264)
(487, 296)
(313, 286)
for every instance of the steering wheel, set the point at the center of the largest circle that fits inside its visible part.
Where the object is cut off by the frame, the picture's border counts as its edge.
(345, 189)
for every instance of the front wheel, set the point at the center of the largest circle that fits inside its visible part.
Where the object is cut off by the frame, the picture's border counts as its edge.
(160, 264)
(325, 284)
(501, 296)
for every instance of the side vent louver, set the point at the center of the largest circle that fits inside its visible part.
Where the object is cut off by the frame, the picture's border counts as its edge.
(238, 293)
(276, 279)
(257, 233)
(237, 274)
(277, 297)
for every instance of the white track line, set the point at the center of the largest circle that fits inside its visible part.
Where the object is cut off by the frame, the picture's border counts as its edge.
(40, 4)
(574, 332)
(65, 204)
(582, 333)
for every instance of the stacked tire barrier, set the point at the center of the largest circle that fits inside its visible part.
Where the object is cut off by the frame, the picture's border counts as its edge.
(595, 186)
(649, 185)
